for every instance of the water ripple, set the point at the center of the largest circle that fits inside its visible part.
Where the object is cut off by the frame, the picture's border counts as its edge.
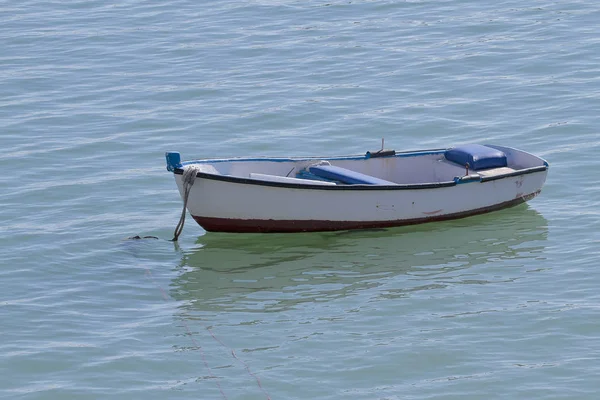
(93, 94)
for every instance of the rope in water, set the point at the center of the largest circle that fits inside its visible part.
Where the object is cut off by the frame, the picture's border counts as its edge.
(191, 336)
(166, 297)
(252, 374)
(188, 178)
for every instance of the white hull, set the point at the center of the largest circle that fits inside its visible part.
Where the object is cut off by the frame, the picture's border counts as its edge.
(239, 204)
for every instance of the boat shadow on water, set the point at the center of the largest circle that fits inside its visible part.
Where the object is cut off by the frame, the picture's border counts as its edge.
(275, 272)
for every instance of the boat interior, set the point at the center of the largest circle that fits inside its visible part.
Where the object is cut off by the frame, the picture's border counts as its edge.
(386, 167)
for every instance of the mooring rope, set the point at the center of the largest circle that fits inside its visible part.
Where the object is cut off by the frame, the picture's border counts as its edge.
(188, 178)
(190, 335)
(252, 374)
(166, 297)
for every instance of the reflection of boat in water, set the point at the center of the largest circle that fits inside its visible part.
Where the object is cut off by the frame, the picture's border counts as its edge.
(277, 271)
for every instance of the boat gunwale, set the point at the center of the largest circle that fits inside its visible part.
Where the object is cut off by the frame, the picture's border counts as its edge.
(409, 153)
(525, 171)
(409, 186)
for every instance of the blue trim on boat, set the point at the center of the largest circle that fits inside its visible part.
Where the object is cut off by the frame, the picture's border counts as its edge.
(414, 153)
(467, 179)
(173, 160)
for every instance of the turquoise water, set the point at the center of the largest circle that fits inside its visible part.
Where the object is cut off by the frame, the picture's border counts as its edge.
(502, 306)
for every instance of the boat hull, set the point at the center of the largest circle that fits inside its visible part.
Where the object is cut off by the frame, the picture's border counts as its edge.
(238, 205)
(290, 226)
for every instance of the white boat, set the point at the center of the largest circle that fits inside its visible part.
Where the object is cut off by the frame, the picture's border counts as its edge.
(378, 189)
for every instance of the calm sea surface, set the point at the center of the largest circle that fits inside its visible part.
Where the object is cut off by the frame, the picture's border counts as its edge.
(92, 93)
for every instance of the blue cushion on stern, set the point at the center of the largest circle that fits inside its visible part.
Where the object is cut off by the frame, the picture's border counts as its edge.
(478, 156)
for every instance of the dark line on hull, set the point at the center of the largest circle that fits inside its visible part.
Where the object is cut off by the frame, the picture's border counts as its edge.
(288, 226)
(526, 171)
(308, 186)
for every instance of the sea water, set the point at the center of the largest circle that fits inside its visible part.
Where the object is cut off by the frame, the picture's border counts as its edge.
(501, 306)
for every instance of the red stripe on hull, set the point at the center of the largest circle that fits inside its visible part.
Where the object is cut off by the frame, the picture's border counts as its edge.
(285, 226)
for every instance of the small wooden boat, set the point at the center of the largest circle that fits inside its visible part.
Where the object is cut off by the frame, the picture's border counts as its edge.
(378, 189)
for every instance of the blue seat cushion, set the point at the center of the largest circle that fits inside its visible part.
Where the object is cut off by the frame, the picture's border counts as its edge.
(478, 156)
(347, 176)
